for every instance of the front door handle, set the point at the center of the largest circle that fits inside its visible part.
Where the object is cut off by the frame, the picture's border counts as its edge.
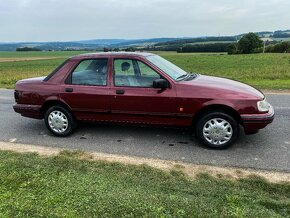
(68, 89)
(120, 92)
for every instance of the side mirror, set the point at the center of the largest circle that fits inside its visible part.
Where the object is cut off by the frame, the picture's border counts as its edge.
(160, 84)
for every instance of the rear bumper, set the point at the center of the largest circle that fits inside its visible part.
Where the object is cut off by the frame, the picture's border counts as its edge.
(32, 111)
(253, 122)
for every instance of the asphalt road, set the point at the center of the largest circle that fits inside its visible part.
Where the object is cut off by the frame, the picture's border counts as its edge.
(269, 149)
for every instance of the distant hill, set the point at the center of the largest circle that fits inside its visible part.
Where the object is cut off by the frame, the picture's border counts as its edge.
(95, 44)
(170, 44)
(125, 42)
(216, 43)
(102, 41)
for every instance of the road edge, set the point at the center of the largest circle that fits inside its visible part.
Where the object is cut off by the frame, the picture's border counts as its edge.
(191, 170)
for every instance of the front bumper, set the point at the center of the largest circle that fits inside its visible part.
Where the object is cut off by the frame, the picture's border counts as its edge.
(253, 122)
(32, 111)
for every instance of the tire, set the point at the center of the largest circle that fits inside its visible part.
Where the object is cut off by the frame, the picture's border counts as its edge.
(217, 130)
(59, 121)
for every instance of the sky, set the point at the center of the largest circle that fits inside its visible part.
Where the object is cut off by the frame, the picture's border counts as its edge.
(69, 20)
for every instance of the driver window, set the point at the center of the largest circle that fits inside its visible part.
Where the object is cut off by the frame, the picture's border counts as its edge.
(133, 73)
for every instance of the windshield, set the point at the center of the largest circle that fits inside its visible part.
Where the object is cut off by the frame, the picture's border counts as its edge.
(167, 67)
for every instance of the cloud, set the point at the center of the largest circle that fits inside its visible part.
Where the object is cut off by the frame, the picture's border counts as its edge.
(46, 20)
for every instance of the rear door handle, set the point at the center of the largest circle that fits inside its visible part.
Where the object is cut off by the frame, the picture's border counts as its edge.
(120, 92)
(68, 89)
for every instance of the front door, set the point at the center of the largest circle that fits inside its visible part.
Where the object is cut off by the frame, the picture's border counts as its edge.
(135, 100)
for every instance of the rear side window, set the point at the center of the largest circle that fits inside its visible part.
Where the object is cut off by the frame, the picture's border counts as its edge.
(92, 72)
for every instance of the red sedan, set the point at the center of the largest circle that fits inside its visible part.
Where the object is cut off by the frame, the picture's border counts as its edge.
(142, 89)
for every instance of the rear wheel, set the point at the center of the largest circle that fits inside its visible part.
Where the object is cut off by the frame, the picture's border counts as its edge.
(217, 130)
(59, 121)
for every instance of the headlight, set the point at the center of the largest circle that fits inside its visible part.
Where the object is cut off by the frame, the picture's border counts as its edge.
(263, 106)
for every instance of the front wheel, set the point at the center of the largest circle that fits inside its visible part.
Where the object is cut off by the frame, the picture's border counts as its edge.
(59, 121)
(217, 130)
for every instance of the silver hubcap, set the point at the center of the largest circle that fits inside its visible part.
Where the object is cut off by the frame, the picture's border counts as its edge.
(217, 131)
(57, 121)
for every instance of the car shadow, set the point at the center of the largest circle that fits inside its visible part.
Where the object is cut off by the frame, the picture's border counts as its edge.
(122, 134)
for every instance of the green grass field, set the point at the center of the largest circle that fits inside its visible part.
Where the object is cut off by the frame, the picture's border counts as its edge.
(36, 54)
(264, 71)
(65, 186)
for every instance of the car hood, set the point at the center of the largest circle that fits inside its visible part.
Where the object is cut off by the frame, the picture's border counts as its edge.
(222, 87)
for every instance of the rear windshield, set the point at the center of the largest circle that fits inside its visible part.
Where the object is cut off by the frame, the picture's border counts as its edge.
(54, 72)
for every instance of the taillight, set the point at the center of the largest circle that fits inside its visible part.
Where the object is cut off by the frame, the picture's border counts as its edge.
(16, 95)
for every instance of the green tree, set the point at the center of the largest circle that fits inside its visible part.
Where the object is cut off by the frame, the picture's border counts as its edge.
(282, 47)
(106, 49)
(27, 49)
(232, 49)
(249, 43)
(132, 49)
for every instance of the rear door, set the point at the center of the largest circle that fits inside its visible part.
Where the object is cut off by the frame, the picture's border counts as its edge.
(86, 90)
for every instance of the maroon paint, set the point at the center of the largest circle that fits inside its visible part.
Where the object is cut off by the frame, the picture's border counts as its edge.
(175, 106)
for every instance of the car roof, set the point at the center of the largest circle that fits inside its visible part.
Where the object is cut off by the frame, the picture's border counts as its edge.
(112, 54)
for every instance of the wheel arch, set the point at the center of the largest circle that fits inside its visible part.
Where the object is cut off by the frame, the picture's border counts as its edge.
(217, 108)
(51, 103)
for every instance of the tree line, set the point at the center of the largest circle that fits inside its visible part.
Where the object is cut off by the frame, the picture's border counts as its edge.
(247, 44)
(251, 43)
(282, 47)
(198, 40)
(214, 47)
(27, 49)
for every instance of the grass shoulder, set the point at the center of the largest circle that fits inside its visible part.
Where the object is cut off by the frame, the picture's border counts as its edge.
(73, 185)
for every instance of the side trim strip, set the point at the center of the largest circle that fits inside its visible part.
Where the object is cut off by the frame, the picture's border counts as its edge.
(138, 113)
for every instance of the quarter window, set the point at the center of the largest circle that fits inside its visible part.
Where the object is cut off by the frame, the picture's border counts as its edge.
(133, 73)
(90, 72)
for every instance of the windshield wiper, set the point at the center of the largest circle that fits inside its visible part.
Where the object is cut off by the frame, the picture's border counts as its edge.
(191, 77)
(182, 77)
